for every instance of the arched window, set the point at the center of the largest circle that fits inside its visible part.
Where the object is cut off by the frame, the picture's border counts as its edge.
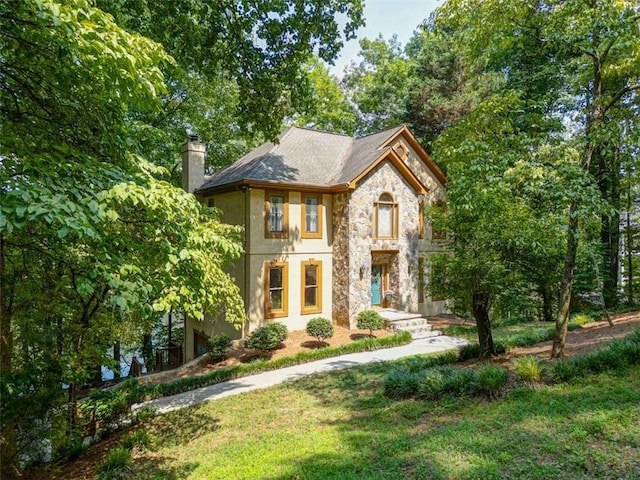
(386, 221)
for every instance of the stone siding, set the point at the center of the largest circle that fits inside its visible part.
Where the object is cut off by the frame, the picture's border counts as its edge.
(361, 242)
(341, 259)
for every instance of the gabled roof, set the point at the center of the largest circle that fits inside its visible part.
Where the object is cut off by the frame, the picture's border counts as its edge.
(307, 158)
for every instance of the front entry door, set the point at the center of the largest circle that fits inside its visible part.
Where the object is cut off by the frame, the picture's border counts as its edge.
(377, 281)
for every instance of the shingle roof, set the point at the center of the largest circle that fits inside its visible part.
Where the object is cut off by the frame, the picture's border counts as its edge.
(305, 157)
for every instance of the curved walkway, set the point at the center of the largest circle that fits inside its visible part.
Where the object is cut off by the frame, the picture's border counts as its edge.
(268, 379)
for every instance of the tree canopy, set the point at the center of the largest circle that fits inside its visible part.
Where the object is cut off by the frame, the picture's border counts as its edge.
(95, 239)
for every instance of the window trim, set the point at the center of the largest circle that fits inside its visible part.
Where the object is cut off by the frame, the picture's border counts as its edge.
(303, 205)
(284, 311)
(394, 217)
(318, 307)
(267, 213)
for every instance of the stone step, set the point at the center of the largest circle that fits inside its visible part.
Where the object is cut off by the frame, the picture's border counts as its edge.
(405, 324)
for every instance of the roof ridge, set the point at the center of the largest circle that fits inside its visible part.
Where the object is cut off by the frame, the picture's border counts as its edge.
(398, 127)
(316, 130)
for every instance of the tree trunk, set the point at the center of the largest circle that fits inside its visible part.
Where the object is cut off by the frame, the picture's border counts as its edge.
(608, 175)
(480, 307)
(629, 248)
(547, 303)
(116, 357)
(8, 467)
(566, 286)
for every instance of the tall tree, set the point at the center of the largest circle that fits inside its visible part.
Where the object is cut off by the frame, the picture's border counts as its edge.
(328, 109)
(586, 56)
(93, 241)
(377, 86)
(239, 67)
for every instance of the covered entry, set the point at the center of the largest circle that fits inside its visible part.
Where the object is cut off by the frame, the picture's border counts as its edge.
(384, 275)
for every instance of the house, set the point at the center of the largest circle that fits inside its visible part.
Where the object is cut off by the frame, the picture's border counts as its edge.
(332, 226)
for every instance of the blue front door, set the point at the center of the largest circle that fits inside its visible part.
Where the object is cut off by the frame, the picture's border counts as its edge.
(376, 284)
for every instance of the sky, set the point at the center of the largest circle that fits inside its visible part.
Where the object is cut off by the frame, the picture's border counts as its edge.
(400, 17)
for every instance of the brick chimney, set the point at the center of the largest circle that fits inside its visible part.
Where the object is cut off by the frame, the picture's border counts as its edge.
(193, 164)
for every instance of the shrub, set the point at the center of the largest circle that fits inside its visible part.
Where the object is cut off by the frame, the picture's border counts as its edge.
(72, 448)
(139, 438)
(528, 368)
(564, 371)
(492, 378)
(320, 328)
(469, 351)
(439, 381)
(401, 383)
(219, 346)
(267, 337)
(107, 407)
(117, 465)
(461, 381)
(369, 320)
(143, 414)
(432, 383)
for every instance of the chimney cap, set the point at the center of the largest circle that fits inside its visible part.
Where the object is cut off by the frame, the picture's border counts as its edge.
(194, 137)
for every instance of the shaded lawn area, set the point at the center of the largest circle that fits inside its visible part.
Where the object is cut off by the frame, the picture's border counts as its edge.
(340, 426)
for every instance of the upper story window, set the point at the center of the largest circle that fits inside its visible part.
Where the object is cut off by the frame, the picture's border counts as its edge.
(276, 215)
(386, 217)
(311, 216)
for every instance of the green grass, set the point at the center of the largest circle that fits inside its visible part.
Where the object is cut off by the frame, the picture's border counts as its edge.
(341, 426)
(518, 335)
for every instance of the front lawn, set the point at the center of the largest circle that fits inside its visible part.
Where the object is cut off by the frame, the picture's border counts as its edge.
(341, 426)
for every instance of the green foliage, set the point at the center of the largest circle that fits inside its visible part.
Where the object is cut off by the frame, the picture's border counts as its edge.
(491, 378)
(616, 355)
(448, 380)
(329, 109)
(580, 319)
(219, 346)
(268, 337)
(72, 448)
(401, 383)
(378, 85)
(472, 350)
(528, 368)
(320, 328)
(116, 466)
(138, 439)
(369, 320)
(106, 407)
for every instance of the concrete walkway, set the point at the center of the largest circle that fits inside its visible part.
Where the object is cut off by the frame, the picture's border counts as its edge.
(274, 377)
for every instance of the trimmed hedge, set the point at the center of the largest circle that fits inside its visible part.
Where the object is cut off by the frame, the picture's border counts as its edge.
(138, 393)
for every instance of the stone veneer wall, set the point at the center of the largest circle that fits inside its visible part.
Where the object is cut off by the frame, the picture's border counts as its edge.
(341, 259)
(361, 242)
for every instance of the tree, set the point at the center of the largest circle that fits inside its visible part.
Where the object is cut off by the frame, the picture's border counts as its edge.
(240, 67)
(377, 86)
(585, 55)
(328, 109)
(94, 242)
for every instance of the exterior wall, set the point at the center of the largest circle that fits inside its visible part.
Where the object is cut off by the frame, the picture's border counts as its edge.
(294, 250)
(427, 246)
(362, 243)
(341, 259)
